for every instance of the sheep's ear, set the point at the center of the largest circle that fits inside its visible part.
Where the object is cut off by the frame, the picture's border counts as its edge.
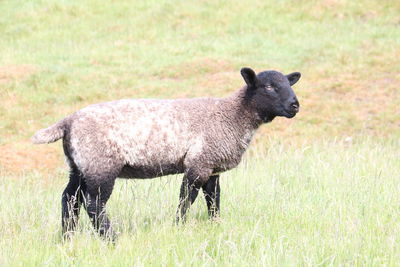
(293, 77)
(249, 76)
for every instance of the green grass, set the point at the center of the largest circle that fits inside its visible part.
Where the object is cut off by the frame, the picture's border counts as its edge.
(324, 192)
(326, 204)
(81, 52)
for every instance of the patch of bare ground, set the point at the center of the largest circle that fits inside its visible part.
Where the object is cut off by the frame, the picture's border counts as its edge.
(9, 73)
(24, 156)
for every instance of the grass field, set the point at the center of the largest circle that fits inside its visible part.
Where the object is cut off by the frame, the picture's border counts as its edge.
(330, 203)
(320, 189)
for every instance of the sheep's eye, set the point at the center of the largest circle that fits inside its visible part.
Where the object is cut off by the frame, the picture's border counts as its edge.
(269, 88)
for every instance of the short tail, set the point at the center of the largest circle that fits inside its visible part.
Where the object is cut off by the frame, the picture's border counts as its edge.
(50, 134)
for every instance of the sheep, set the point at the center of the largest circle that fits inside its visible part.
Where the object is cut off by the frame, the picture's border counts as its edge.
(148, 138)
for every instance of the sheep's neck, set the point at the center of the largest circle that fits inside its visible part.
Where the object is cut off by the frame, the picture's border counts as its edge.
(240, 118)
(246, 114)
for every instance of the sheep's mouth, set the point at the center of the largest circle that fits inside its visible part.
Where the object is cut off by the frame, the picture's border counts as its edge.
(290, 113)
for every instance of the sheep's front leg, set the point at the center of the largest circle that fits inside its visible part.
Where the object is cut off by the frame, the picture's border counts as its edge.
(212, 191)
(189, 190)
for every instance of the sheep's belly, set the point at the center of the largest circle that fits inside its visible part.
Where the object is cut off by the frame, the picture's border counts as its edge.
(149, 171)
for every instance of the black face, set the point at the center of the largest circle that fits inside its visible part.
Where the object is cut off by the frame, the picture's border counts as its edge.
(271, 93)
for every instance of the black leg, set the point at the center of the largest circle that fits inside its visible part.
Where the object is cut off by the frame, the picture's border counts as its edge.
(212, 191)
(96, 198)
(71, 202)
(189, 190)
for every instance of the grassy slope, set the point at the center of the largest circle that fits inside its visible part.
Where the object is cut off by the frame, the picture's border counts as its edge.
(71, 54)
(308, 204)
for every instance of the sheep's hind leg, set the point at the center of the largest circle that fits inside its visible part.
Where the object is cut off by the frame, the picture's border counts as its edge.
(96, 197)
(212, 191)
(71, 202)
(189, 190)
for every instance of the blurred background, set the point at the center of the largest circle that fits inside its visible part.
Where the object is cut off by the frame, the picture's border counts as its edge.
(59, 56)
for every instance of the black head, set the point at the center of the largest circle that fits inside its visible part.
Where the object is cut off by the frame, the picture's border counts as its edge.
(271, 94)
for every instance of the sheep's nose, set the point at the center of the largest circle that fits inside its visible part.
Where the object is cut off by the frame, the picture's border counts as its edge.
(295, 105)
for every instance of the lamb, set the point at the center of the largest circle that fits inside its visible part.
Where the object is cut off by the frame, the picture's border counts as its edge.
(148, 138)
